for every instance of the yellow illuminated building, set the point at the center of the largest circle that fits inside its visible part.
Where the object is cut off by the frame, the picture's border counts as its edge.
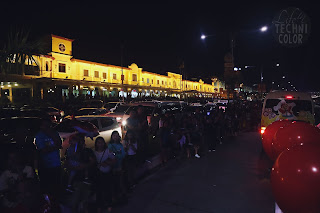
(60, 72)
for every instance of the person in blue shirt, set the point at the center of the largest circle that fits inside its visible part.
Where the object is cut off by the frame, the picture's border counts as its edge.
(48, 145)
(115, 146)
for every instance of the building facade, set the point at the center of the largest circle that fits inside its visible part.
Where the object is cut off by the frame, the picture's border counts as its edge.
(59, 72)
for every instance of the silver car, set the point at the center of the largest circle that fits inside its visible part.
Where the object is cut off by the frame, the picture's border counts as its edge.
(105, 125)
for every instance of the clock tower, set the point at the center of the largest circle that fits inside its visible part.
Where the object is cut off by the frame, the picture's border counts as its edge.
(61, 45)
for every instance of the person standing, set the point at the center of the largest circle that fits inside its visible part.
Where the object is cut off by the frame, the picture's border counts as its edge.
(142, 132)
(105, 161)
(115, 146)
(48, 145)
(130, 144)
(84, 169)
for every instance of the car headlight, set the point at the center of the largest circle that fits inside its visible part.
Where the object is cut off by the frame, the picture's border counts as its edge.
(118, 119)
(124, 123)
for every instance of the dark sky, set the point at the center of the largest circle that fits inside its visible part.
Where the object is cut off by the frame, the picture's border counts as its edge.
(159, 36)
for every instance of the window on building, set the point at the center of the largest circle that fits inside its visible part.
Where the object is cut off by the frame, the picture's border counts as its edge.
(215, 84)
(157, 81)
(152, 81)
(47, 66)
(114, 76)
(200, 86)
(142, 79)
(174, 84)
(86, 73)
(162, 82)
(62, 67)
(170, 83)
(96, 74)
(147, 80)
(50, 68)
(134, 77)
(104, 75)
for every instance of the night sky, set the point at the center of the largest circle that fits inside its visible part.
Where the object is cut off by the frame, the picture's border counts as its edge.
(158, 37)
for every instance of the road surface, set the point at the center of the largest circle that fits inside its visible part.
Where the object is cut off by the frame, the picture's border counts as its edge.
(231, 179)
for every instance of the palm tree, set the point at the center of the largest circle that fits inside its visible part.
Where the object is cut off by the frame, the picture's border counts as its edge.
(18, 53)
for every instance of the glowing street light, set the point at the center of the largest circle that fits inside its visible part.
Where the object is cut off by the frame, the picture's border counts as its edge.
(278, 65)
(203, 37)
(235, 69)
(264, 29)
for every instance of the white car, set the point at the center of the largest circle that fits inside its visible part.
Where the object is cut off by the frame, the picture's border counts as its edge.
(105, 125)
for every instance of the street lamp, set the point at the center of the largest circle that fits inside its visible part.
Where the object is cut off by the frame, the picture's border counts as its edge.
(264, 29)
(278, 65)
(203, 37)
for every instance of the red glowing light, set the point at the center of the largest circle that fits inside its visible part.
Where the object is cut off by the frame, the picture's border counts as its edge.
(289, 97)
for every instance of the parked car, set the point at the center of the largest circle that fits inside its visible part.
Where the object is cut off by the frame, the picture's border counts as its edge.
(90, 111)
(153, 111)
(11, 129)
(55, 114)
(119, 112)
(105, 125)
(93, 103)
(9, 112)
(112, 106)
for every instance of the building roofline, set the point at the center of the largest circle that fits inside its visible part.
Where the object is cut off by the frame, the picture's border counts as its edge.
(146, 72)
(97, 63)
(67, 39)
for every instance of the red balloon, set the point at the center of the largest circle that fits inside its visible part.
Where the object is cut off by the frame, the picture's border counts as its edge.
(269, 134)
(293, 134)
(295, 179)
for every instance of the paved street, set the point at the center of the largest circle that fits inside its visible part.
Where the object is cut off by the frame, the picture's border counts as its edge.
(228, 180)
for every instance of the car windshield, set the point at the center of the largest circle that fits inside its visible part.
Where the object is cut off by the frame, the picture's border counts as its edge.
(110, 105)
(121, 109)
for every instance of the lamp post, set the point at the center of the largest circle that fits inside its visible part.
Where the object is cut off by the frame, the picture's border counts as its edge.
(122, 76)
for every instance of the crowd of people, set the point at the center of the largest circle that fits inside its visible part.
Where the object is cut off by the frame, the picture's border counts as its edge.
(105, 175)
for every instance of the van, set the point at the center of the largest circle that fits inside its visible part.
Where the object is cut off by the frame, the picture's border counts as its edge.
(284, 105)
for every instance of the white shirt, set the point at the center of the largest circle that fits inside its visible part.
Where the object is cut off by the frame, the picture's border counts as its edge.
(107, 154)
(7, 175)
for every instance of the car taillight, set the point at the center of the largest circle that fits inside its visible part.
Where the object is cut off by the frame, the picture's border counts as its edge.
(263, 129)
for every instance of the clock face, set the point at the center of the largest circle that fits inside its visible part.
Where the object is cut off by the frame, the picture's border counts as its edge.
(62, 48)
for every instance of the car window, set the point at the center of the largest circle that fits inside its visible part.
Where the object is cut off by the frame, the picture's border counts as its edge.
(106, 122)
(296, 106)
